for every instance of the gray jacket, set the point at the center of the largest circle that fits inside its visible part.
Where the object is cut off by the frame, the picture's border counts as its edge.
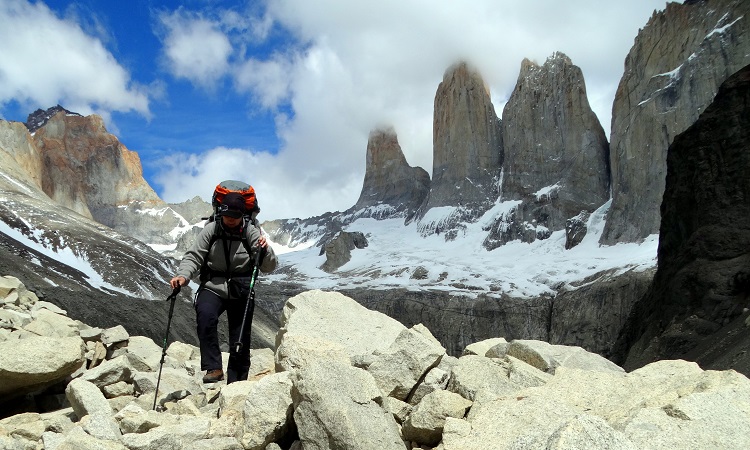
(239, 260)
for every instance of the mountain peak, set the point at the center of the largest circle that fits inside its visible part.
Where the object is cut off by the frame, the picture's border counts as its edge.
(40, 117)
(389, 179)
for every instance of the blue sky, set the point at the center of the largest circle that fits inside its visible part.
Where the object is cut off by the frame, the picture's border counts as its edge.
(284, 93)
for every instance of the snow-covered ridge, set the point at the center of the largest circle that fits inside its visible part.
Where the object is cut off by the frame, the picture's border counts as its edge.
(462, 265)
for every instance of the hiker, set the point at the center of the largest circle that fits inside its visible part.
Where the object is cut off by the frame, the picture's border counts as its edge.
(226, 270)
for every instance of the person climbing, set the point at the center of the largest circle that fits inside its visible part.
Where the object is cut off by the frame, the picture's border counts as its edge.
(226, 275)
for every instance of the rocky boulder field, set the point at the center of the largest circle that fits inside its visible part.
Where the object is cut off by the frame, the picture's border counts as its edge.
(342, 376)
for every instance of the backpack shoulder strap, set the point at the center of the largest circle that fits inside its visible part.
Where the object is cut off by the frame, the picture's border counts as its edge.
(205, 272)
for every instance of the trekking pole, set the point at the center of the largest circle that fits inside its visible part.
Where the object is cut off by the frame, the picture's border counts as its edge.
(171, 299)
(250, 298)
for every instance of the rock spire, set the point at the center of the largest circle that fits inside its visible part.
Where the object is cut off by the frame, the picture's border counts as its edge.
(390, 181)
(467, 143)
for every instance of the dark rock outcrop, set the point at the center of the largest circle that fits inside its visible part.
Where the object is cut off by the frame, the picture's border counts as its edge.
(591, 312)
(338, 250)
(677, 63)
(467, 145)
(576, 229)
(556, 152)
(704, 239)
(391, 185)
(40, 117)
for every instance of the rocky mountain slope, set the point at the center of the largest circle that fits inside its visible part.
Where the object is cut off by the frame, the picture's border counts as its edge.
(556, 154)
(100, 275)
(341, 376)
(82, 167)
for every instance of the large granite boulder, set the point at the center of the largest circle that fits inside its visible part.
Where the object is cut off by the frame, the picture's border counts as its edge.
(36, 362)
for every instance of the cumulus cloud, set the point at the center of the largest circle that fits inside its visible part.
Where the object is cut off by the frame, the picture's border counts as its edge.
(278, 195)
(46, 60)
(195, 48)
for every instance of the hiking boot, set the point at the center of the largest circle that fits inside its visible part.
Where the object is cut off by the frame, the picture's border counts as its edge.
(212, 376)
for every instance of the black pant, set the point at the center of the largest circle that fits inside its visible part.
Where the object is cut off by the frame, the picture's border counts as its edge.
(208, 308)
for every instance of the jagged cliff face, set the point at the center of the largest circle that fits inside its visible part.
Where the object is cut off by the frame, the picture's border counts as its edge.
(552, 138)
(88, 170)
(78, 164)
(671, 75)
(556, 152)
(703, 278)
(467, 143)
(391, 185)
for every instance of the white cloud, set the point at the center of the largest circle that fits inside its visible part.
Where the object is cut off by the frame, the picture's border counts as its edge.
(195, 48)
(268, 80)
(278, 193)
(46, 60)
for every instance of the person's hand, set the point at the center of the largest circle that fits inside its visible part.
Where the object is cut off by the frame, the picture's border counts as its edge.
(262, 242)
(178, 281)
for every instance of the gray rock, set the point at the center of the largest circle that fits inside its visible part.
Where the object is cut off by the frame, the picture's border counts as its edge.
(480, 348)
(576, 229)
(504, 420)
(111, 372)
(399, 368)
(581, 432)
(556, 151)
(338, 406)
(79, 439)
(9, 284)
(474, 374)
(547, 357)
(338, 249)
(48, 306)
(333, 317)
(86, 399)
(664, 88)
(299, 350)
(425, 423)
(435, 379)
(147, 350)
(49, 323)
(114, 335)
(267, 411)
(36, 362)
(391, 186)
(467, 146)
(92, 408)
(28, 426)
